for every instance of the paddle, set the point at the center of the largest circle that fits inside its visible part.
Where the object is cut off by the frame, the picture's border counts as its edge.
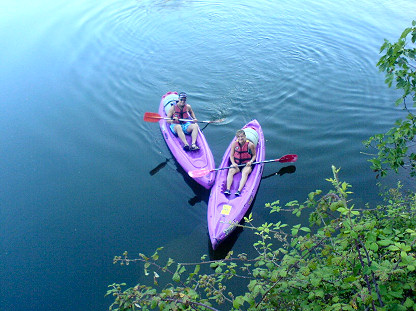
(155, 117)
(204, 172)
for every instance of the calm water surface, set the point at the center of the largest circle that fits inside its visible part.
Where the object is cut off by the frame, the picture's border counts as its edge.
(76, 78)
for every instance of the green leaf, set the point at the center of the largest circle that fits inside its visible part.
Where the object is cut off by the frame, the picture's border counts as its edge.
(385, 242)
(197, 268)
(349, 279)
(396, 294)
(374, 247)
(170, 262)
(320, 293)
(176, 278)
(238, 302)
(154, 303)
(315, 281)
(405, 33)
(409, 303)
(393, 248)
(343, 210)
(398, 101)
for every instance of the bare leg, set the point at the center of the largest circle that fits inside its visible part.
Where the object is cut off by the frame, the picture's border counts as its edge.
(244, 175)
(181, 134)
(193, 129)
(230, 176)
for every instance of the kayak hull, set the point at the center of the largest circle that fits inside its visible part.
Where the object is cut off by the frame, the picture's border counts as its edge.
(225, 211)
(188, 160)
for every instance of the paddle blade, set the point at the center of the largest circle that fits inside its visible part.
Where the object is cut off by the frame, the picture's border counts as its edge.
(216, 121)
(199, 173)
(151, 117)
(288, 158)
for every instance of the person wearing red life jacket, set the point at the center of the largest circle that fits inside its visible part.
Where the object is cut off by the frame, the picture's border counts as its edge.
(182, 110)
(243, 151)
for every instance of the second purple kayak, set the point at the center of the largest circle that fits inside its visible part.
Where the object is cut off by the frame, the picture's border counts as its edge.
(224, 211)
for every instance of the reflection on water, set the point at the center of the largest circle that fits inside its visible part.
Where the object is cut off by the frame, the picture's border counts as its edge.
(226, 246)
(290, 169)
(201, 193)
(159, 167)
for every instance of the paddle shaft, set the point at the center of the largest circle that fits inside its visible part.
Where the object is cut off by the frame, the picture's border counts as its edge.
(240, 165)
(150, 115)
(188, 120)
(203, 172)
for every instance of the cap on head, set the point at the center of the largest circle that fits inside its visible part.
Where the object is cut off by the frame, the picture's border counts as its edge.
(182, 95)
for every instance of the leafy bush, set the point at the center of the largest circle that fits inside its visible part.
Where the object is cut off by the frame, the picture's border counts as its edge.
(396, 148)
(347, 259)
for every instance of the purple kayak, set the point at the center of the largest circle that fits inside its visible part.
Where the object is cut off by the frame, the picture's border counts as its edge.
(225, 211)
(189, 160)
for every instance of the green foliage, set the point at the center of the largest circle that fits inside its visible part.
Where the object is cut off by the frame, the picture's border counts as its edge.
(346, 259)
(396, 147)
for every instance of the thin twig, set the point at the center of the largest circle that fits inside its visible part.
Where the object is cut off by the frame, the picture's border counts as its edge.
(372, 274)
(365, 275)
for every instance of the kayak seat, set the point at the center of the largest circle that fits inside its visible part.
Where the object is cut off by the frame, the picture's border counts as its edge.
(252, 135)
(169, 101)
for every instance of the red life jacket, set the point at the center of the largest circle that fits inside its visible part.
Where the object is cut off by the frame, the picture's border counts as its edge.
(181, 113)
(242, 154)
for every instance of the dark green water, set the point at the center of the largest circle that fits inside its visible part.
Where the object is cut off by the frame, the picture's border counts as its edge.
(75, 156)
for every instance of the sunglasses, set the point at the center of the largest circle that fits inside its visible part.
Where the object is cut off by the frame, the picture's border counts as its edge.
(182, 99)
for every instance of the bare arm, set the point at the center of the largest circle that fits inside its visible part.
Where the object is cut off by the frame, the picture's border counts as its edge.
(191, 112)
(253, 153)
(170, 114)
(232, 153)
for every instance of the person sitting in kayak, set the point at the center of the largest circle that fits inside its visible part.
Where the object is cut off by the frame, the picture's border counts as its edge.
(182, 110)
(243, 151)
